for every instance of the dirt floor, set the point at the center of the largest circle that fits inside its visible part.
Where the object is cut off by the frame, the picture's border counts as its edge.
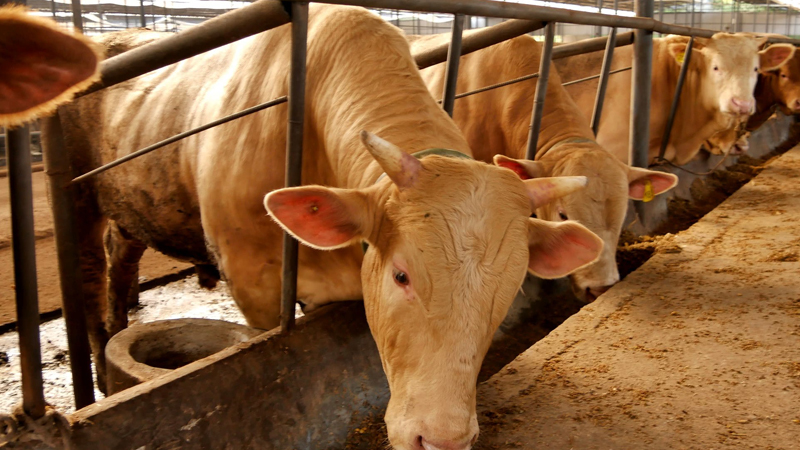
(698, 349)
(153, 265)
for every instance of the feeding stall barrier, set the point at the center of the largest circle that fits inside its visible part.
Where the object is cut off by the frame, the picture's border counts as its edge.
(305, 384)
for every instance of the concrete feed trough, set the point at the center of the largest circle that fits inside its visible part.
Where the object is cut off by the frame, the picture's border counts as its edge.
(148, 350)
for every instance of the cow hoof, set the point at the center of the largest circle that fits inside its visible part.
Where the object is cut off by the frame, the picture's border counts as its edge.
(148, 350)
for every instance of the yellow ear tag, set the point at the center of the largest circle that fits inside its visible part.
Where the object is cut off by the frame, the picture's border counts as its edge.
(648, 191)
(680, 56)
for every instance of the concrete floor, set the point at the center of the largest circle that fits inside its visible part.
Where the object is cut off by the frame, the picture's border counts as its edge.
(698, 349)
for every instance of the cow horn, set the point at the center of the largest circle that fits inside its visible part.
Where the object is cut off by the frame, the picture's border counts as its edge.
(399, 166)
(542, 191)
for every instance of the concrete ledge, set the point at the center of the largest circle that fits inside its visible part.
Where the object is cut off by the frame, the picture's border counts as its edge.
(698, 349)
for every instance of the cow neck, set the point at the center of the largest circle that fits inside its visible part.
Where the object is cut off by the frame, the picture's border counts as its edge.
(766, 103)
(572, 140)
(446, 152)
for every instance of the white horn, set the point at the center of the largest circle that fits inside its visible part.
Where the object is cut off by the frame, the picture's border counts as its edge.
(542, 191)
(399, 166)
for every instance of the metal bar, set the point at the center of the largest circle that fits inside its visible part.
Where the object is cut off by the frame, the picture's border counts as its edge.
(294, 155)
(451, 70)
(77, 15)
(24, 249)
(608, 58)
(142, 15)
(591, 45)
(766, 26)
(477, 40)
(598, 30)
(541, 90)
(592, 77)
(640, 98)
(676, 99)
(229, 27)
(178, 137)
(57, 168)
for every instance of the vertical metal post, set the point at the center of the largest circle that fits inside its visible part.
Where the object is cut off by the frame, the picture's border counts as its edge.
(294, 155)
(608, 59)
(598, 30)
(23, 241)
(541, 90)
(766, 26)
(451, 71)
(142, 13)
(640, 98)
(660, 10)
(692, 20)
(53, 8)
(77, 15)
(57, 167)
(687, 57)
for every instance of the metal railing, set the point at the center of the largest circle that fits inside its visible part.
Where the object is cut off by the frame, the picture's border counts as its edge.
(257, 17)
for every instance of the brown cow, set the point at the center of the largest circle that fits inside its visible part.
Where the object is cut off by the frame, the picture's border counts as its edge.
(718, 90)
(450, 239)
(42, 65)
(497, 122)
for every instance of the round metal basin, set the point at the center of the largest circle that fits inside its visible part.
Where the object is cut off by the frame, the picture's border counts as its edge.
(148, 350)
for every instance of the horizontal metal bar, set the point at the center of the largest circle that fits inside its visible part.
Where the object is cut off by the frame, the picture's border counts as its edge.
(178, 137)
(590, 45)
(506, 10)
(592, 77)
(478, 39)
(224, 29)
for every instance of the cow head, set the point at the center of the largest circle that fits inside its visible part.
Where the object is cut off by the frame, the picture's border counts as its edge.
(728, 142)
(450, 241)
(726, 67)
(601, 207)
(785, 84)
(42, 65)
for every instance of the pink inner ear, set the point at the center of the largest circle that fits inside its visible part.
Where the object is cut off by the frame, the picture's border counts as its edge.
(776, 55)
(39, 64)
(516, 168)
(566, 249)
(661, 183)
(316, 216)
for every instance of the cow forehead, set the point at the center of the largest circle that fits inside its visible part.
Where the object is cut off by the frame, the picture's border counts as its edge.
(735, 49)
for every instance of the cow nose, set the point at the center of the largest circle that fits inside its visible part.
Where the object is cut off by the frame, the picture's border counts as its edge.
(596, 291)
(796, 105)
(447, 445)
(741, 106)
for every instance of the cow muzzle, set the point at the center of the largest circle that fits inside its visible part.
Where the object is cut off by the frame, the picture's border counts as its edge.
(447, 445)
(741, 106)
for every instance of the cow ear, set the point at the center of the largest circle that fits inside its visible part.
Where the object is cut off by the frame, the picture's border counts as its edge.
(320, 217)
(42, 65)
(659, 182)
(525, 168)
(677, 51)
(558, 249)
(775, 56)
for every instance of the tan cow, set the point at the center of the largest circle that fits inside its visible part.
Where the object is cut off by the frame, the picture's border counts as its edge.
(450, 239)
(718, 89)
(496, 123)
(42, 65)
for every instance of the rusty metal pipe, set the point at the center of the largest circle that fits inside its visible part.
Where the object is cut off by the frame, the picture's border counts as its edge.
(541, 90)
(24, 249)
(591, 45)
(229, 27)
(451, 70)
(608, 58)
(57, 168)
(640, 97)
(294, 155)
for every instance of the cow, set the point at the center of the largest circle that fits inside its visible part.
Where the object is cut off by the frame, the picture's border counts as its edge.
(718, 90)
(449, 239)
(42, 65)
(496, 125)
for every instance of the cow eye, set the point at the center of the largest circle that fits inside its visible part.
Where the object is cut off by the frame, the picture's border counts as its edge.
(400, 278)
(563, 215)
(533, 216)
(755, 69)
(716, 68)
(783, 75)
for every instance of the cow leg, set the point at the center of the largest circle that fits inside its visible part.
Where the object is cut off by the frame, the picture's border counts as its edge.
(93, 270)
(124, 253)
